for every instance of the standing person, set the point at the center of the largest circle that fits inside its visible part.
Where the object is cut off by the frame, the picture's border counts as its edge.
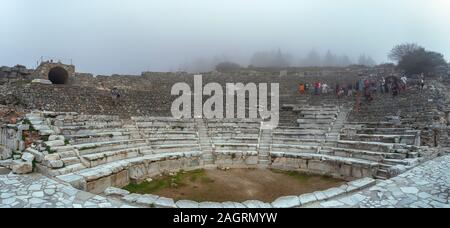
(382, 85)
(316, 88)
(350, 89)
(404, 81)
(395, 88)
(422, 81)
(301, 88)
(386, 86)
(345, 90)
(422, 84)
(367, 91)
(115, 95)
(358, 89)
(324, 88)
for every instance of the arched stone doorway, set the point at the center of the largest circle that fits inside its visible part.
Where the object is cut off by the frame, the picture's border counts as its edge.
(58, 75)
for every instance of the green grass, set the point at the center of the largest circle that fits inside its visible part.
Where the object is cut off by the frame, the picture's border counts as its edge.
(166, 181)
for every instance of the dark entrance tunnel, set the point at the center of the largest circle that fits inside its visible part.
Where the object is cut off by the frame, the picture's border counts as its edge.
(58, 75)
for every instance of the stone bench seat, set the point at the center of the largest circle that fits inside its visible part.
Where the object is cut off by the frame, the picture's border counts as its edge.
(319, 116)
(329, 158)
(361, 154)
(299, 141)
(89, 148)
(300, 134)
(405, 139)
(241, 153)
(160, 119)
(166, 125)
(76, 128)
(168, 132)
(295, 148)
(169, 148)
(371, 146)
(250, 140)
(299, 131)
(226, 135)
(233, 128)
(315, 121)
(235, 146)
(171, 140)
(314, 126)
(92, 160)
(387, 131)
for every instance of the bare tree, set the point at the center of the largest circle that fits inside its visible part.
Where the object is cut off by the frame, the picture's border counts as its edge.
(399, 51)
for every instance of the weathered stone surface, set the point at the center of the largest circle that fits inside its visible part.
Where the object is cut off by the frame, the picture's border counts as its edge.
(112, 191)
(286, 202)
(187, 204)
(147, 200)
(55, 143)
(233, 205)
(21, 167)
(163, 202)
(56, 137)
(28, 157)
(210, 205)
(38, 156)
(41, 81)
(307, 198)
(5, 153)
(256, 204)
(55, 164)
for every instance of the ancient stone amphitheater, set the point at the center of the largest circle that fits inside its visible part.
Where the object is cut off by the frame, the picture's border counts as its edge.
(82, 142)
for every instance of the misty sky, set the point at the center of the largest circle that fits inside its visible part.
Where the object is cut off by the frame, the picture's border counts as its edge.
(131, 36)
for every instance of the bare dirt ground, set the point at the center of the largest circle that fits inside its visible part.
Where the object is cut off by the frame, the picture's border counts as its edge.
(235, 185)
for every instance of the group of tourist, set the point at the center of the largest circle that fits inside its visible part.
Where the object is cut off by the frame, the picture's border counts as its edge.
(366, 87)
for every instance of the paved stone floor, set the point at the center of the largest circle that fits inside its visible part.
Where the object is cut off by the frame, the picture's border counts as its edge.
(37, 191)
(426, 186)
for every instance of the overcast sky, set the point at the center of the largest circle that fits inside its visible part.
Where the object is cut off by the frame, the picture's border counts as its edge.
(131, 36)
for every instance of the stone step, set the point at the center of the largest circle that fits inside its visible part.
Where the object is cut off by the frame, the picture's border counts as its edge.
(71, 161)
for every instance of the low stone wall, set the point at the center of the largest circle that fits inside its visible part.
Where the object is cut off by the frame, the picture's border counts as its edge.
(136, 170)
(324, 167)
(303, 200)
(236, 160)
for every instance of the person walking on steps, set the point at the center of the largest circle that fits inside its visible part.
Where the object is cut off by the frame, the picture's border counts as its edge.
(115, 95)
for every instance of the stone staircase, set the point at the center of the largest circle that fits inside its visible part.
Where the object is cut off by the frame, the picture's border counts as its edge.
(205, 142)
(338, 124)
(264, 148)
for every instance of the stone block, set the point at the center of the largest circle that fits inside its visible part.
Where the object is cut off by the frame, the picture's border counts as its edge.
(286, 202)
(22, 167)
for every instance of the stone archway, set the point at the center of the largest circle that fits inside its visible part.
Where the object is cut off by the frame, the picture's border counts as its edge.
(58, 75)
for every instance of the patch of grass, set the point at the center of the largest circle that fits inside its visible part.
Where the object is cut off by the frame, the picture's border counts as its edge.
(66, 142)
(166, 181)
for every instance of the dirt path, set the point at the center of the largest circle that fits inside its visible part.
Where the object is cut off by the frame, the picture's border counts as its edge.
(245, 184)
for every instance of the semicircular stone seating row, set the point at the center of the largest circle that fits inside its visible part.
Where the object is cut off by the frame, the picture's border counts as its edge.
(102, 151)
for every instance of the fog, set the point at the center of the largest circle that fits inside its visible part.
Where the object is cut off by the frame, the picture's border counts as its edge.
(128, 37)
